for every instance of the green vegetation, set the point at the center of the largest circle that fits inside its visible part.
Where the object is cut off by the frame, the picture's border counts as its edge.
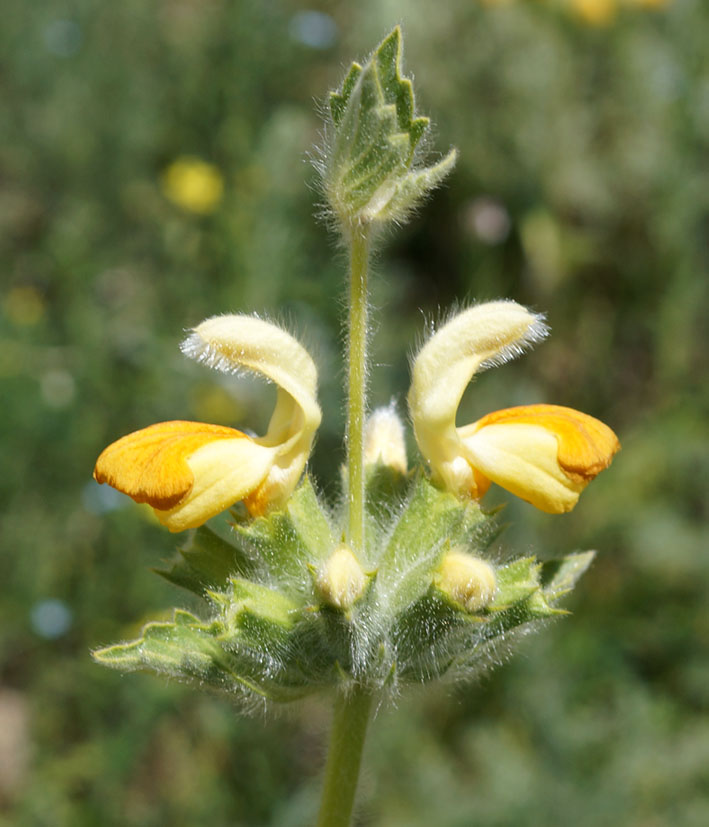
(581, 189)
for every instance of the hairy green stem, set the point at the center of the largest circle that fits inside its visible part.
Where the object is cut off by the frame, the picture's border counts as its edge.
(349, 727)
(351, 713)
(357, 386)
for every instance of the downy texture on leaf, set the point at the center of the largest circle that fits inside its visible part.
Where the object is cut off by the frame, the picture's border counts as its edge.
(369, 168)
(269, 634)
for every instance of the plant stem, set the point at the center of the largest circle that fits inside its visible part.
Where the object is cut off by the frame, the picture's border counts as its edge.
(357, 385)
(351, 713)
(349, 727)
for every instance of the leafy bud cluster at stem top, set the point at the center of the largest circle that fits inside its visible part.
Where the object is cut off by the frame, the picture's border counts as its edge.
(369, 167)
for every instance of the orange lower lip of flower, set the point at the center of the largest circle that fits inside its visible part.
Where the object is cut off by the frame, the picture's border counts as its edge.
(480, 486)
(586, 445)
(150, 465)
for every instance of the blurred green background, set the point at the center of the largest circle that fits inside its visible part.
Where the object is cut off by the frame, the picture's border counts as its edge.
(582, 190)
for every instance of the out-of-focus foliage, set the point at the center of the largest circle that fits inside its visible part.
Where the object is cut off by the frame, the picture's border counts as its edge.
(582, 189)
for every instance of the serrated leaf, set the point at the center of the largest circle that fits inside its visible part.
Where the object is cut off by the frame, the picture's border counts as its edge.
(416, 185)
(338, 101)
(522, 598)
(537, 606)
(206, 561)
(189, 650)
(516, 581)
(431, 522)
(182, 617)
(421, 625)
(285, 542)
(257, 615)
(396, 89)
(385, 491)
(560, 576)
(367, 171)
(182, 649)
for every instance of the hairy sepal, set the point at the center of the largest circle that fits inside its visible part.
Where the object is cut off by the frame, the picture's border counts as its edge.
(270, 635)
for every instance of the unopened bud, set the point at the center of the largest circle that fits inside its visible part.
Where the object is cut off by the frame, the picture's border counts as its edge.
(341, 580)
(467, 580)
(371, 170)
(384, 439)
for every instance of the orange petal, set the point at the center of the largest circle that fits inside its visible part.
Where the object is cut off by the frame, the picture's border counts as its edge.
(586, 445)
(481, 484)
(150, 465)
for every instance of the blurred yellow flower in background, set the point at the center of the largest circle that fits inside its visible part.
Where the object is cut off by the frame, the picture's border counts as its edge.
(604, 12)
(24, 306)
(193, 184)
(595, 12)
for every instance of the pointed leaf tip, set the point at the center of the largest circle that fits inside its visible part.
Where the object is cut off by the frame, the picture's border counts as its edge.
(560, 576)
(369, 171)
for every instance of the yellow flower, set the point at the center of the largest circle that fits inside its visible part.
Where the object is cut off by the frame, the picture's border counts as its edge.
(191, 471)
(24, 306)
(193, 184)
(596, 12)
(545, 454)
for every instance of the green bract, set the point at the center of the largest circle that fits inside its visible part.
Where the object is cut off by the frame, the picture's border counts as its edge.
(267, 632)
(369, 167)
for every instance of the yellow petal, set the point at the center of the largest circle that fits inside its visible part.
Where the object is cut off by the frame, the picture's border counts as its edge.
(151, 466)
(479, 337)
(225, 471)
(586, 445)
(545, 454)
(187, 471)
(234, 343)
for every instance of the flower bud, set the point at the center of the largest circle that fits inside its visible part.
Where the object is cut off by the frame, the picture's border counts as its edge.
(370, 166)
(466, 580)
(384, 440)
(341, 581)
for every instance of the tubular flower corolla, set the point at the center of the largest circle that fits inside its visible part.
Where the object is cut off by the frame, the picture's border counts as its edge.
(191, 471)
(545, 454)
